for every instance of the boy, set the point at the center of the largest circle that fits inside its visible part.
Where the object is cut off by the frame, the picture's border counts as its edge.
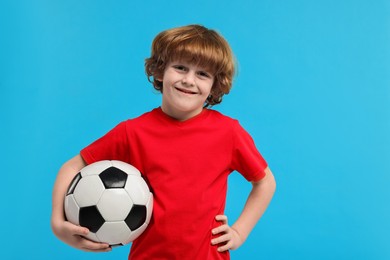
(185, 151)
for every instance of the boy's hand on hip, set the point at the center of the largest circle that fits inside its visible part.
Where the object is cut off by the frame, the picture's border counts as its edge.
(229, 237)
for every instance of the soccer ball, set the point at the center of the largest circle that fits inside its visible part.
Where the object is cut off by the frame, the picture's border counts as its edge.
(112, 200)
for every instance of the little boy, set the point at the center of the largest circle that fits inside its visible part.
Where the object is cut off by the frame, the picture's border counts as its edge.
(185, 151)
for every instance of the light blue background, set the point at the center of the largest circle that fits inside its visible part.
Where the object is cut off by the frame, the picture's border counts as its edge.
(313, 89)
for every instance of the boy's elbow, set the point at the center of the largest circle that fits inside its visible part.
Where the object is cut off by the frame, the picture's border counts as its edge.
(267, 183)
(269, 179)
(273, 184)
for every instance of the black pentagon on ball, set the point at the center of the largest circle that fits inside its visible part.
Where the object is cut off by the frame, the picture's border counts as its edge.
(136, 217)
(113, 178)
(91, 218)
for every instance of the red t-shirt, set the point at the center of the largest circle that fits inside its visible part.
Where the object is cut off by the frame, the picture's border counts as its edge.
(186, 165)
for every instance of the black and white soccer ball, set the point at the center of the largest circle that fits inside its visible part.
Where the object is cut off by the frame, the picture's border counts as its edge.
(112, 200)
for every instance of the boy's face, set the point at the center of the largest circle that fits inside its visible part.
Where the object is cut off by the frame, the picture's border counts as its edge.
(185, 89)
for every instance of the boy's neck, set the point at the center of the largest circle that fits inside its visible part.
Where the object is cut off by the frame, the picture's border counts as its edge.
(180, 115)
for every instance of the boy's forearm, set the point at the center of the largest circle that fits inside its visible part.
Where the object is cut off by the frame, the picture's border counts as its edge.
(256, 204)
(64, 177)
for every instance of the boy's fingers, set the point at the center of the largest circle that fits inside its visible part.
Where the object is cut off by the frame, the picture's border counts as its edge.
(220, 239)
(79, 234)
(82, 231)
(224, 248)
(222, 218)
(96, 247)
(220, 229)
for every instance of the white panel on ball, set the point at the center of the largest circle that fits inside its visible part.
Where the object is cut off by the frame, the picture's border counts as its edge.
(115, 204)
(149, 207)
(93, 237)
(114, 232)
(137, 189)
(72, 212)
(88, 191)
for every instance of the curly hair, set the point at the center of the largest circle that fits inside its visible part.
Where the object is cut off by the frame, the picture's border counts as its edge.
(198, 45)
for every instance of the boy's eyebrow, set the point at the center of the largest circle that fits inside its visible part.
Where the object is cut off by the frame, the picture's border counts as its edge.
(185, 63)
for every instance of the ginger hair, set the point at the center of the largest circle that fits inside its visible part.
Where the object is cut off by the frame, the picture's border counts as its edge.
(195, 44)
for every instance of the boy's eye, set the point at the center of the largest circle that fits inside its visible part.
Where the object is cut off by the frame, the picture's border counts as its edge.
(180, 67)
(204, 74)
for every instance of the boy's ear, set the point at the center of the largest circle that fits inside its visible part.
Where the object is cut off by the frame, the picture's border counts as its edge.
(158, 77)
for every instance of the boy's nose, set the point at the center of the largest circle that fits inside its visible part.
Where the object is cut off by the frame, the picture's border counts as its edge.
(188, 79)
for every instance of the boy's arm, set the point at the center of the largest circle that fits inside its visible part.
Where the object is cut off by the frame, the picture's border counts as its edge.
(64, 230)
(256, 204)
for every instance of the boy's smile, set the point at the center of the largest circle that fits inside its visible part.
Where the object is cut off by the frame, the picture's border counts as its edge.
(185, 89)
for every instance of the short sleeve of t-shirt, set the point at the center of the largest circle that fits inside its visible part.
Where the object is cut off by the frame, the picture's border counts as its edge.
(246, 159)
(112, 146)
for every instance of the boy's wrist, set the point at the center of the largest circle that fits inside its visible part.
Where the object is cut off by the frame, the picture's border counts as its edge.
(239, 234)
(57, 218)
